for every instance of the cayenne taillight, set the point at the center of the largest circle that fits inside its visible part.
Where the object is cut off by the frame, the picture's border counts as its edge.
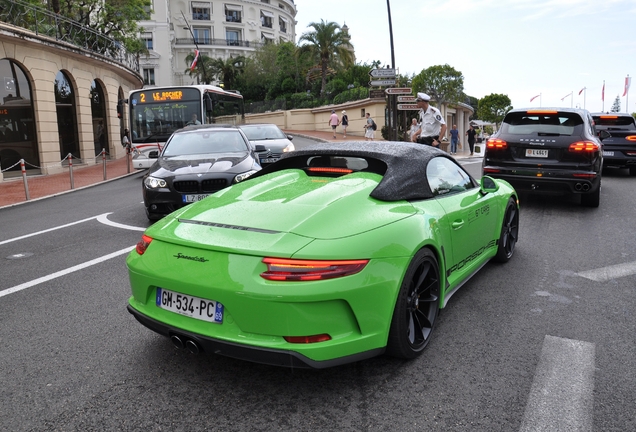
(496, 144)
(143, 244)
(285, 269)
(584, 146)
(631, 138)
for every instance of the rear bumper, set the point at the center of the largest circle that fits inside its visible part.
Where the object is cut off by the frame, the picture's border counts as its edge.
(566, 182)
(267, 356)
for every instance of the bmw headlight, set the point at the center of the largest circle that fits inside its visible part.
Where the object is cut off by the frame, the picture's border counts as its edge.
(155, 183)
(239, 178)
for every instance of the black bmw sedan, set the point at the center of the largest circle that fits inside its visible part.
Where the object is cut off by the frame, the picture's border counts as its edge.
(196, 162)
(552, 151)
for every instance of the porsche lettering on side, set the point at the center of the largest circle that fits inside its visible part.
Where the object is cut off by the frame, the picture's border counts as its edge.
(333, 254)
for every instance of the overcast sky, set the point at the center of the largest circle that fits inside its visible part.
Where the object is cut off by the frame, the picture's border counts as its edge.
(521, 48)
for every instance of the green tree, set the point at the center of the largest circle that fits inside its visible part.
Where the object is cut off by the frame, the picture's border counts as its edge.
(224, 70)
(493, 107)
(328, 45)
(443, 84)
(616, 106)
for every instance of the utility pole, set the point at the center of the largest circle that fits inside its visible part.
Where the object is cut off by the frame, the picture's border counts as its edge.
(393, 127)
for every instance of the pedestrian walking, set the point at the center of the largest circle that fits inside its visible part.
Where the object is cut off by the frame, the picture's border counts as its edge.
(345, 123)
(334, 121)
(369, 128)
(454, 133)
(471, 133)
(125, 140)
(432, 125)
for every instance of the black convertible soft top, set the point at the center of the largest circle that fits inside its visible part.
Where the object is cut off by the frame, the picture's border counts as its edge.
(405, 176)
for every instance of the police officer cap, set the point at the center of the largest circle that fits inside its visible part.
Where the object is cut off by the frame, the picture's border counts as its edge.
(423, 97)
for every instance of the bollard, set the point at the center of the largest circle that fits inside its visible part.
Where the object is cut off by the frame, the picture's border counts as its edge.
(70, 169)
(26, 184)
(128, 159)
(104, 162)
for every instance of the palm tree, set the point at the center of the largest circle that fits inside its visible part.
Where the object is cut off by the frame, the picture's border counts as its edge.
(225, 71)
(328, 44)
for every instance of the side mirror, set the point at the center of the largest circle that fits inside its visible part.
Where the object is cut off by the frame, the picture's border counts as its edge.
(604, 134)
(260, 148)
(488, 184)
(153, 154)
(290, 137)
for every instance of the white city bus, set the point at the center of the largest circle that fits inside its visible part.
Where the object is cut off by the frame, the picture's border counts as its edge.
(155, 113)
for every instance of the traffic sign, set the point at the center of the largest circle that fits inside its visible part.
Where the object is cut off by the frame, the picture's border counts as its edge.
(382, 82)
(382, 73)
(399, 90)
(377, 94)
(407, 107)
(406, 98)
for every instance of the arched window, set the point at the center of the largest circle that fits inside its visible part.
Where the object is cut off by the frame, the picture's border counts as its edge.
(17, 126)
(98, 112)
(66, 117)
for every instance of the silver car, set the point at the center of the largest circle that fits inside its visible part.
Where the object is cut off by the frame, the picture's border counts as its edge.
(270, 136)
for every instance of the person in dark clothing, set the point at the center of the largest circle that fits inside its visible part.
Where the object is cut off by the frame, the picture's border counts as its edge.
(470, 133)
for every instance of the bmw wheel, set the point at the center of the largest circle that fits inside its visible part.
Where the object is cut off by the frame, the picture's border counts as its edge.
(509, 233)
(416, 308)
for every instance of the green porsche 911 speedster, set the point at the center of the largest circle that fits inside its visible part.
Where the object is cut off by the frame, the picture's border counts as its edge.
(333, 254)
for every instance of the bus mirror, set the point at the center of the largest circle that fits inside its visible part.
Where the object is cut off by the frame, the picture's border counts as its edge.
(120, 108)
(208, 104)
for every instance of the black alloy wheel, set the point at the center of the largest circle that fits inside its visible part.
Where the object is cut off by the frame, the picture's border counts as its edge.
(509, 232)
(416, 308)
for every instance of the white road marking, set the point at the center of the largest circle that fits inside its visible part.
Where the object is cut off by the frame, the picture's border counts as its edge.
(52, 229)
(561, 397)
(64, 272)
(104, 219)
(610, 272)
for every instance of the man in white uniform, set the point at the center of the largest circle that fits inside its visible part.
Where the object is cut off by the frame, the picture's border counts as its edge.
(432, 124)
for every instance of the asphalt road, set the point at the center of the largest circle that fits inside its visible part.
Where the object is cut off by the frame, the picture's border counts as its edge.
(546, 340)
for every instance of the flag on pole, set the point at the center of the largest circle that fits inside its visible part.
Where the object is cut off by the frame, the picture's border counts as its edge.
(628, 81)
(584, 88)
(603, 92)
(535, 97)
(569, 94)
(194, 61)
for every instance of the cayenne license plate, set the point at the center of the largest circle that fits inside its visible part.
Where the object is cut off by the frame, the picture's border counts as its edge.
(269, 160)
(536, 153)
(608, 153)
(193, 307)
(190, 198)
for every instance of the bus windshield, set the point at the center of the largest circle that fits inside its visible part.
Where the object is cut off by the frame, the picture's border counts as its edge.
(156, 113)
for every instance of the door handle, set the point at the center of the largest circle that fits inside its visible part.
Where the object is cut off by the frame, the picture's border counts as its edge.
(457, 224)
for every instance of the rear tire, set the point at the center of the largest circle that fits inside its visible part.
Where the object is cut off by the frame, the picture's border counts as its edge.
(592, 199)
(509, 233)
(632, 171)
(416, 308)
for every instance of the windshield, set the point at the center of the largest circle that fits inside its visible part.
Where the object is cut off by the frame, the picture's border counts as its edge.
(610, 120)
(528, 123)
(155, 115)
(204, 142)
(263, 132)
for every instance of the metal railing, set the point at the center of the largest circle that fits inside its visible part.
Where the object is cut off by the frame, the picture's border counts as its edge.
(222, 42)
(46, 23)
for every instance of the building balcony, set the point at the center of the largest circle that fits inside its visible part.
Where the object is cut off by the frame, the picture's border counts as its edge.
(218, 42)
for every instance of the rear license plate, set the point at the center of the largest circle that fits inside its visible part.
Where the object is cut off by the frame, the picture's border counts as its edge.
(193, 307)
(608, 153)
(269, 160)
(194, 197)
(536, 153)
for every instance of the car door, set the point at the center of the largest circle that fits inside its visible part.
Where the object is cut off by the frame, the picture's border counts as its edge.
(471, 217)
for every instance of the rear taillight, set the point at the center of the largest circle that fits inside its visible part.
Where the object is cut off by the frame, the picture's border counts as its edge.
(330, 170)
(584, 146)
(609, 117)
(307, 339)
(143, 244)
(491, 170)
(284, 269)
(630, 153)
(631, 138)
(496, 144)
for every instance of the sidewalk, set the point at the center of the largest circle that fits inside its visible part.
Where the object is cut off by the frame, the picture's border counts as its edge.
(12, 190)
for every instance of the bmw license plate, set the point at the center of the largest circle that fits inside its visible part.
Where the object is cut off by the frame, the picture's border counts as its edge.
(193, 307)
(190, 198)
(269, 160)
(536, 153)
(608, 153)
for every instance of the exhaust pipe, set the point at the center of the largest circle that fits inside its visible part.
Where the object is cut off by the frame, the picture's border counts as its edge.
(177, 342)
(192, 347)
(578, 186)
(586, 187)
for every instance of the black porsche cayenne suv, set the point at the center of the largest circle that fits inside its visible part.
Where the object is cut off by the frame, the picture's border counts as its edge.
(552, 151)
